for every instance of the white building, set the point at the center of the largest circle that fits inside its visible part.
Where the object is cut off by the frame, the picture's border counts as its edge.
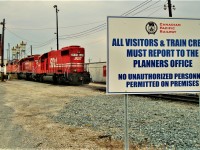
(97, 71)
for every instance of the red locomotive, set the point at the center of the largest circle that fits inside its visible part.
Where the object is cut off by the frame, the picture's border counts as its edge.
(26, 67)
(60, 66)
(12, 67)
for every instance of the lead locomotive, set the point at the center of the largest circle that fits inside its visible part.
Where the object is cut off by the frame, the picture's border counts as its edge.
(60, 66)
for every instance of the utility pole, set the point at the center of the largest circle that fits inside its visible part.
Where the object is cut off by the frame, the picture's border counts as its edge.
(170, 6)
(8, 53)
(31, 50)
(55, 6)
(89, 60)
(0, 49)
(2, 57)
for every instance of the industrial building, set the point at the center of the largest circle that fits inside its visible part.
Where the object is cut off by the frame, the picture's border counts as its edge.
(97, 71)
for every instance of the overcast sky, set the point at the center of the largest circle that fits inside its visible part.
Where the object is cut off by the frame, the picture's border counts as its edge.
(80, 22)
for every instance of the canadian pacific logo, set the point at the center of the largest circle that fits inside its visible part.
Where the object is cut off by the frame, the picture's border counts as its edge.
(151, 27)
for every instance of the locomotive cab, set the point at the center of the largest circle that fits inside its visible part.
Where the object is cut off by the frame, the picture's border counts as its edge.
(63, 66)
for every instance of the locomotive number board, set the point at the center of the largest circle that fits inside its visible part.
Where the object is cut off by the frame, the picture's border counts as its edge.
(153, 55)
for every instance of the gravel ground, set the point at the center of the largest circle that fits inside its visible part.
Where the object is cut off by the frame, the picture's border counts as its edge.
(25, 108)
(157, 123)
(77, 117)
(12, 136)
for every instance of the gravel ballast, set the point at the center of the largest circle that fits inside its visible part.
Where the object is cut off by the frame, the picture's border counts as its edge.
(160, 123)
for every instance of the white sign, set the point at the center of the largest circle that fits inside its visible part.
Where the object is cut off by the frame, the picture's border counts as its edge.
(151, 55)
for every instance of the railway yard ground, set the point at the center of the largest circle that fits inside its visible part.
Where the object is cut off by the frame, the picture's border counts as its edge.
(44, 116)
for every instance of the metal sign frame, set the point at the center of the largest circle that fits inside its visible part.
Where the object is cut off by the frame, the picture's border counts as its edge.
(120, 29)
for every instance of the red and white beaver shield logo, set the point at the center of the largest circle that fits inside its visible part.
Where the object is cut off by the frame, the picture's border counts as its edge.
(151, 27)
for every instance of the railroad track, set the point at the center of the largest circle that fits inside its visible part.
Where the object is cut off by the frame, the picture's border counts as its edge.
(192, 98)
(184, 98)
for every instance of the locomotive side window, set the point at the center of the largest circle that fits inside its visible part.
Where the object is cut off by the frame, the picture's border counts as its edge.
(31, 59)
(66, 52)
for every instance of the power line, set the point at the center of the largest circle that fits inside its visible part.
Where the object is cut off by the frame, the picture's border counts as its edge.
(20, 36)
(83, 34)
(88, 31)
(157, 9)
(39, 45)
(146, 8)
(45, 43)
(102, 26)
(50, 28)
(91, 30)
(135, 8)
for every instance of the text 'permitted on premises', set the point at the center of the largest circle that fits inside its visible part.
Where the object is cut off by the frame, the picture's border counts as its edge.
(151, 60)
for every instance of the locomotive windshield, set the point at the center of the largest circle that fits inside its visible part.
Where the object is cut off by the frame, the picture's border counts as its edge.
(66, 52)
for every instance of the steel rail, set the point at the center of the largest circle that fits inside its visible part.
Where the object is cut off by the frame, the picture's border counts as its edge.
(192, 98)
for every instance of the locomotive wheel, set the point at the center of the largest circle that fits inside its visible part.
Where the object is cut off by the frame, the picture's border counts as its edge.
(18, 76)
(37, 79)
(54, 79)
(33, 78)
(59, 80)
(27, 77)
(41, 79)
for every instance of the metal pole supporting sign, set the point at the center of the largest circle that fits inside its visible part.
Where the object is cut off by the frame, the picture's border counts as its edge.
(126, 137)
(199, 116)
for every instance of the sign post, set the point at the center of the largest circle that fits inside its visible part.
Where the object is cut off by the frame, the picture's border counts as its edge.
(152, 55)
(126, 122)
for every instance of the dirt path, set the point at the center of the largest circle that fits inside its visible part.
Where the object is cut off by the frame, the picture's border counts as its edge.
(11, 135)
(25, 107)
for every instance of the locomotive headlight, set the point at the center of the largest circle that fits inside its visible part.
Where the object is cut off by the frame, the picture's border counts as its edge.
(74, 70)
